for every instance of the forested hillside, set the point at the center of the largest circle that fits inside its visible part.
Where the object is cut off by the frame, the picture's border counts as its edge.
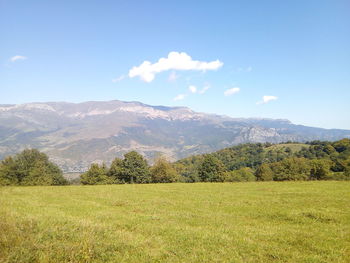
(286, 161)
(314, 160)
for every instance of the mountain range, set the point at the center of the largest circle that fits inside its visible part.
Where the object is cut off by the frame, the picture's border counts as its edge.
(76, 134)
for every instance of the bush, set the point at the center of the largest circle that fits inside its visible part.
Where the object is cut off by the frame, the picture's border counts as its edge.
(320, 169)
(291, 169)
(339, 176)
(245, 174)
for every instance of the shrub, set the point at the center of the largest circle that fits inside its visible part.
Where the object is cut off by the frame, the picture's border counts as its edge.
(245, 174)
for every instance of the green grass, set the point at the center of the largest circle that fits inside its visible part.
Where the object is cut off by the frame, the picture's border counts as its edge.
(223, 222)
(295, 147)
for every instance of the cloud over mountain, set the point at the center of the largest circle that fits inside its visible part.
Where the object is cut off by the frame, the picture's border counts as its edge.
(175, 61)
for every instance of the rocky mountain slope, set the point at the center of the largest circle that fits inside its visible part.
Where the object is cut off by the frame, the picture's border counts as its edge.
(76, 134)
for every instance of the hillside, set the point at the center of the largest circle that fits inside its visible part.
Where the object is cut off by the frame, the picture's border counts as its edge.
(76, 134)
(294, 147)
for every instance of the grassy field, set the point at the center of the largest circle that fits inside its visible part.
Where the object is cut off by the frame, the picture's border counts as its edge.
(223, 222)
(295, 147)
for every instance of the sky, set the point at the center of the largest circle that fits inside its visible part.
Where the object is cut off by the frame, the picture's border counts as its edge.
(266, 59)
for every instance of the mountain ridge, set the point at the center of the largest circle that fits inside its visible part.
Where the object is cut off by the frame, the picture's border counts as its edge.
(76, 134)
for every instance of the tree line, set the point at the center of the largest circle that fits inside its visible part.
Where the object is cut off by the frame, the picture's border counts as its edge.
(133, 168)
(314, 160)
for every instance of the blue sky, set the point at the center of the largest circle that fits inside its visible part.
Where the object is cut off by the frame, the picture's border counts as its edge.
(231, 53)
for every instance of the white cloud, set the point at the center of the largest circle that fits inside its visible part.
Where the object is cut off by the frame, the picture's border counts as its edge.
(267, 99)
(175, 61)
(192, 89)
(247, 69)
(180, 97)
(172, 76)
(231, 91)
(202, 91)
(17, 57)
(118, 79)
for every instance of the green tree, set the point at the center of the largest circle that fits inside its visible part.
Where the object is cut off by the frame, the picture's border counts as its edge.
(188, 168)
(134, 169)
(211, 169)
(342, 145)
(264, 173)
(30, 167)
(8, 175)
(288, 150)
(38, 175)
(291, 169)
(163, 172)
(115, 171)
(329, 149)
(320, 169)
(95, 175)
(346, 164)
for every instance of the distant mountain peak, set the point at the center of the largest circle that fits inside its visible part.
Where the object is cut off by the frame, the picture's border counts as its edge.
(76, 134)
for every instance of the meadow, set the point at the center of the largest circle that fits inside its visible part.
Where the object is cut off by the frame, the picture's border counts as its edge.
(200, 222)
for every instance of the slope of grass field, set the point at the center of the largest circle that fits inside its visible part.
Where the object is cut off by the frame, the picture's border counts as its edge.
(223, 222)
(294, 147)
